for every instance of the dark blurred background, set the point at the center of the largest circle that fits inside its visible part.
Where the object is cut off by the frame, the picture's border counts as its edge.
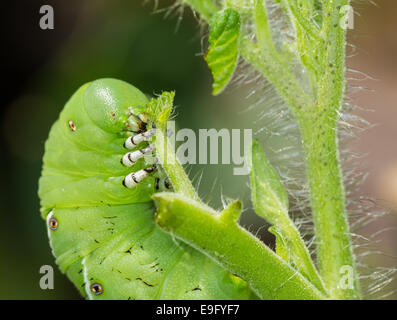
(155, 52)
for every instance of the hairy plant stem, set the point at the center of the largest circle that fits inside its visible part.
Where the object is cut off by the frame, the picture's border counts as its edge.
(219, 236)
(320, 136)
(167, 157)
(334, 249)
(322, 52)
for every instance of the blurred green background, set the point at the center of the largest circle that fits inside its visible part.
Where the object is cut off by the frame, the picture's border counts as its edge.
(155, 52)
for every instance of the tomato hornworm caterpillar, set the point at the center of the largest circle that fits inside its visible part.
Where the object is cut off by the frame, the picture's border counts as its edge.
(95, 193)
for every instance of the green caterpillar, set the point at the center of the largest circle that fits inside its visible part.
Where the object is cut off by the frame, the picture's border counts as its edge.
(95, 193)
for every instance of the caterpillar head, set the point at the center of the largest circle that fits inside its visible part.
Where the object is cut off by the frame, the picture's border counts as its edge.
(114, 105)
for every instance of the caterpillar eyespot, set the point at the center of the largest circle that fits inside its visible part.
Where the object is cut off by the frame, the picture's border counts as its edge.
(108, 237)
(53, 223)
(96, 289)
(72, 126)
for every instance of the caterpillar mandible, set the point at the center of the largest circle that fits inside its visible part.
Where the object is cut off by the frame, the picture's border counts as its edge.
(95, 193)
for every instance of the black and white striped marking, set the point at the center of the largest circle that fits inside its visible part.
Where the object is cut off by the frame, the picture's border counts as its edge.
(133, 141)
(130, 158)
(133, 179)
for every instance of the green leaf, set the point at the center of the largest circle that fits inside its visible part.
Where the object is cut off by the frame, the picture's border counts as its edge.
(263, 34)
(270, 201)
(268, 194)
(223, 54)
(160, 108)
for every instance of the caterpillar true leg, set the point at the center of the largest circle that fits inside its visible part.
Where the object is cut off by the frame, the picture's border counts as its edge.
(130, 158)
(141, 117)
(136, 122)
(135, 178)
(133, 141)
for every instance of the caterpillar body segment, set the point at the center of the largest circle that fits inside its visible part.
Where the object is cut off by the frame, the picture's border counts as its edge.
(99, 211)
